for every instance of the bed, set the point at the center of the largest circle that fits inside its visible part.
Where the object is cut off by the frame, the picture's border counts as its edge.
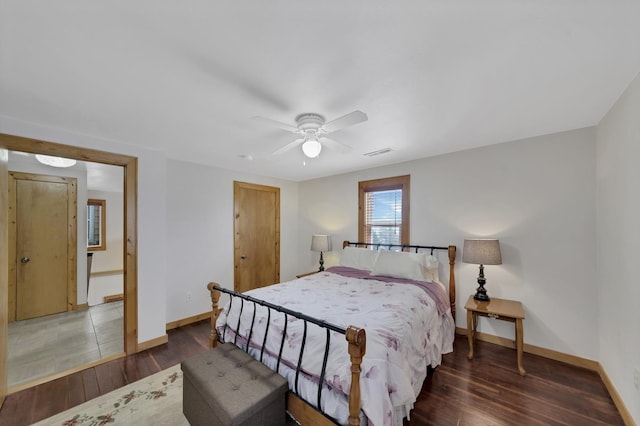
(384, 301)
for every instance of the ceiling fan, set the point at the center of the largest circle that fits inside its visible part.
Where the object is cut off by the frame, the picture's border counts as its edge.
(313, 131)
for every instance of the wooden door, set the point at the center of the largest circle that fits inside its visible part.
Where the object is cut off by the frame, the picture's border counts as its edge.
(257, 236)
(43, 236)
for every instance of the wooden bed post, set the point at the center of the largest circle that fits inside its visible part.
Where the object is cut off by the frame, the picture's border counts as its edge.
(215, 313)
(452, 281)
(357, 339)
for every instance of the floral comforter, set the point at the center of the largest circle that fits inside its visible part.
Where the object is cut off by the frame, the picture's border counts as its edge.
(405, 334)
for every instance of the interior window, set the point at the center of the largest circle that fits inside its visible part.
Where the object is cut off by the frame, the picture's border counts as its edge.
(96, 225)
(383, 207)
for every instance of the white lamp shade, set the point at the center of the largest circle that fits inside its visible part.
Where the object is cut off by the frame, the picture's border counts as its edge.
(311, 148)
(482, 252)
(320, 243)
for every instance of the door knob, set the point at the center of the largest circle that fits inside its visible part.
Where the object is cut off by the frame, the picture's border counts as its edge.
(243, 257)
(25, 260)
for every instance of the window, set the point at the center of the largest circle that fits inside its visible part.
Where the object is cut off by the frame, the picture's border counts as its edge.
(384, 210)
(96, 225)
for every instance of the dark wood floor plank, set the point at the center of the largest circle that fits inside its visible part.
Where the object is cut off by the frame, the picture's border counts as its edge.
(491, 385)
(18, 408)
(103, 375)
(485, 391)
(76, 395)
(90, 383)
(50, 397)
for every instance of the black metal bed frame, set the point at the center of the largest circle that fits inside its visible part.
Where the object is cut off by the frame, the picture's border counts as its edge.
(402, 247)
(287, 312)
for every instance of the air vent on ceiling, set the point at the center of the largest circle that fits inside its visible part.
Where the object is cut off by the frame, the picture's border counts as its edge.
(378, 152)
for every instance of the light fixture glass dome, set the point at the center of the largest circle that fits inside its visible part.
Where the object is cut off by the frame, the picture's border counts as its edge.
(55, 161)
(311, 148)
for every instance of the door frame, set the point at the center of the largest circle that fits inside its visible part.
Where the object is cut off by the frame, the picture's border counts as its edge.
(130, 195)
(72, 238)
(4, 278)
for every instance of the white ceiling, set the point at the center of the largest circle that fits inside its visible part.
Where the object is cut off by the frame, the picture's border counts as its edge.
(433, 76)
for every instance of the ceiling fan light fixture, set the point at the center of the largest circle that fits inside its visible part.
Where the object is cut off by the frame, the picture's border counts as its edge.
(55, 161)
(311, 148)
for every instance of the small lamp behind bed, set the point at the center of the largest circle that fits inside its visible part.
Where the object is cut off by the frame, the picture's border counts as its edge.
(320, 243)
(481, 252)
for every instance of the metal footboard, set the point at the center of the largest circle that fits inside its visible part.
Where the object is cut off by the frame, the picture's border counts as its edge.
(355, 336)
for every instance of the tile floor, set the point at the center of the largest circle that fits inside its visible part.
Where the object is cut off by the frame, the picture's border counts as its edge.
(47, 345)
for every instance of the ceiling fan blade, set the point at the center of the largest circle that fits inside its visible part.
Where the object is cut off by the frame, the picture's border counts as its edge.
(334, 144)
(274, 123)
(287, 147)
(350, 119)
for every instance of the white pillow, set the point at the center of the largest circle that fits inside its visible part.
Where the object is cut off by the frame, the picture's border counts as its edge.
(400, 265)
(359, 258)
(430, 269)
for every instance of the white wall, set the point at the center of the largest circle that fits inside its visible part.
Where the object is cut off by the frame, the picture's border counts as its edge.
(112, 258)
(618, 226)
(152, 227)
(536, 195)
(200, 233)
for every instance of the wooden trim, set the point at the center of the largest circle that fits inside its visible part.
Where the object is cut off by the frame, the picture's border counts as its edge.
(72, 246)
(186, 321)
(143, 346)
(130, 165)
(304, 413)
(103, 224)
(535, 350)
(113, 298)
(131, 256)
(82, 306)
(64, 373)
(4, 278)
(35, 146)
(396, 182)
(110, 272)
(615, 396)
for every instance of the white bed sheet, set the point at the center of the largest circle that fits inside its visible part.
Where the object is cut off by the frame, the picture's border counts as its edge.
(405, 334)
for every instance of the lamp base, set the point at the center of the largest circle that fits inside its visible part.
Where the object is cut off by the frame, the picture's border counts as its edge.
(481, 295)
(321, 263)
(481, 292)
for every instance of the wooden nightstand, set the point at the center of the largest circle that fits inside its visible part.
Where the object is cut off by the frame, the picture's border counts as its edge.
(306, 274)
(502, 309)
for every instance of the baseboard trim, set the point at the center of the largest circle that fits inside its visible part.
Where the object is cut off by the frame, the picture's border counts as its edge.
(562, 357)
(143, 346)
(536, 350)
(617, 400)
(186, 321)
(82, 306)
(113, 298)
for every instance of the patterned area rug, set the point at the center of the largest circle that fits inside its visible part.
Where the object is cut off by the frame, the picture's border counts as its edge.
(154, 400)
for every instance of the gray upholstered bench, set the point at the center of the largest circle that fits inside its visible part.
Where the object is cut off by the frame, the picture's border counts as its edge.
(226, 386)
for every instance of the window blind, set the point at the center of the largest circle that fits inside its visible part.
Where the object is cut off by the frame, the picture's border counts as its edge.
(383, 216)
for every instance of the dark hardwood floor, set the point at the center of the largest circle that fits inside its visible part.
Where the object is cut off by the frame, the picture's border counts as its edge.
(485, 391)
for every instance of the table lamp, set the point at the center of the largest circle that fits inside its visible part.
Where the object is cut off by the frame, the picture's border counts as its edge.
(481, 252)
(320, 243)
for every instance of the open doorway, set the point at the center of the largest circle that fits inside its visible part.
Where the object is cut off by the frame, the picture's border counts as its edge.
(129, 195)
